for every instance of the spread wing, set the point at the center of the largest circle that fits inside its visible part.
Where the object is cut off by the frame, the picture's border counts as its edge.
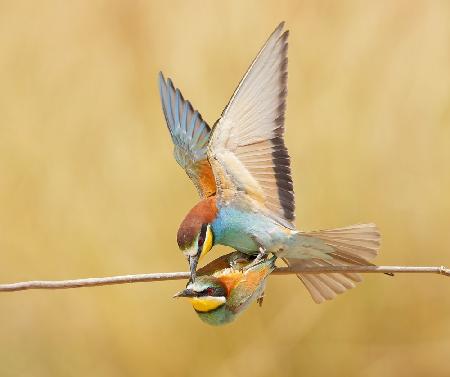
(247, 150)
(190, 135)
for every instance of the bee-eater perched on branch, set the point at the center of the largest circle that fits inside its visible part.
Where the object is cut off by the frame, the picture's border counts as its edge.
(221, 292)
(241, 169)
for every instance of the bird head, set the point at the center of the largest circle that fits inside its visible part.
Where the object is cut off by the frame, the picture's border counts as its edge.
(195, 236)
(207, 294)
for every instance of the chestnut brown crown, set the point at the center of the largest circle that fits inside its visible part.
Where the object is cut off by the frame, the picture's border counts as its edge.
(203, 213)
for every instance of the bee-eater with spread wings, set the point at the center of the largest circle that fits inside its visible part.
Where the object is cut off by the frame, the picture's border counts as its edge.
(241, 169)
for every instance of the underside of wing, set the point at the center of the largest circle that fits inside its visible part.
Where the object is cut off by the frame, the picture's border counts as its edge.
(190, 135)
(247, 149)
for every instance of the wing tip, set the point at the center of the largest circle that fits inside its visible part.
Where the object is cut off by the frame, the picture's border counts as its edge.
(280, 27)
(162, 82)
(282, 34)
(278, 35)
(170, 83)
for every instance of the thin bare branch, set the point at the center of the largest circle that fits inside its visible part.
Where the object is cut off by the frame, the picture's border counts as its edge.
(141, 278)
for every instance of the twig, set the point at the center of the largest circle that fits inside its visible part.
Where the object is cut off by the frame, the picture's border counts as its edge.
(140, 278)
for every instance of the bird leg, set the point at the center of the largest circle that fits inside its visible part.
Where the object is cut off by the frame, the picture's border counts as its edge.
(238, 260)
(262, 255)
(260, 299)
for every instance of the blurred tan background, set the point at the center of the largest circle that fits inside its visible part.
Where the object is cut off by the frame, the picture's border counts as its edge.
(88, 185)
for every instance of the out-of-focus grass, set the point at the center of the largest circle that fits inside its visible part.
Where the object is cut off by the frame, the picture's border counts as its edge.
(88, 185)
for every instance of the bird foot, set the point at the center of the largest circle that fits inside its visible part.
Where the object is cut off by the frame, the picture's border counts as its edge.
(262, 255)
(260, 299)
(238, 260)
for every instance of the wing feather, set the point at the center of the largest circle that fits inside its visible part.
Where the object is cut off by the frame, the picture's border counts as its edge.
(190, 135)
(247, 150)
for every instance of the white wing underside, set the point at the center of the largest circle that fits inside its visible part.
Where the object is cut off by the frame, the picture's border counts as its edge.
(246, 150)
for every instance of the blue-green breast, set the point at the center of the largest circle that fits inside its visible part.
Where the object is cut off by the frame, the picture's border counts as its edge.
(217, 317)
(245, 231)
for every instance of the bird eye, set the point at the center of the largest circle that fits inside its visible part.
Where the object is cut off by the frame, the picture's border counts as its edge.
(207, 292)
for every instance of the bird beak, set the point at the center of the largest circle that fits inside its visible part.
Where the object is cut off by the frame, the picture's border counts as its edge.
(193, 262)
(186, 293)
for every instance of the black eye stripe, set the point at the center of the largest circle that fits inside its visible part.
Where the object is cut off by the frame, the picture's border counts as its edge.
(207, 292)
(202, 236)
(211, 291)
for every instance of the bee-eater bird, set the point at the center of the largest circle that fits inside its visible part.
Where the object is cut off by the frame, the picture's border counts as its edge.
(220, 293)
(241, 169)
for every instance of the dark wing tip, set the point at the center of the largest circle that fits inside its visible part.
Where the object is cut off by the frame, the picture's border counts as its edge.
(280, 155)
(170, 83)
(182, 100)
(162, 83)
(284, 35)
(283, 177)
(280, 26)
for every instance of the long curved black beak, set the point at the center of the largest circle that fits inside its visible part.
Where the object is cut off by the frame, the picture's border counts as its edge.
(186, 293)
(193, 262)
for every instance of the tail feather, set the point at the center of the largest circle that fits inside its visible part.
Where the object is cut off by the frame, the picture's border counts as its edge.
(353, 245)
(361, 241)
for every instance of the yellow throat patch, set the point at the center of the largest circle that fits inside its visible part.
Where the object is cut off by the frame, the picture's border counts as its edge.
(207, 303)
(207, 245)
